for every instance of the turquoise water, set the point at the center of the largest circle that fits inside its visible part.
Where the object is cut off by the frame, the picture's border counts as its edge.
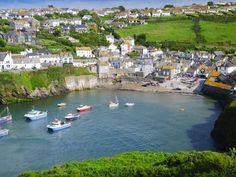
(153, 124)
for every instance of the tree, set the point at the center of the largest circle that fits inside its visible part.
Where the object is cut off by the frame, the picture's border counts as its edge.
(168, 6)
(121, 8)
(140, 39)
(2, 43)
(210, 3)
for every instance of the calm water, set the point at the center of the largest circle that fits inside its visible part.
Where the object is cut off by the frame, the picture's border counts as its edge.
(153, 124)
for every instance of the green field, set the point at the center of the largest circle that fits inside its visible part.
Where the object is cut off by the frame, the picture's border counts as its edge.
(218, 33)
(215, 33)
(171, 30)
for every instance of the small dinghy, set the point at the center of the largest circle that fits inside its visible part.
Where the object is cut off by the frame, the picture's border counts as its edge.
(70, 117)
(129, 104)
(4, 132)
(61, 105)
(114, 104)
(57, 125)
(83, 108)
(6, 119)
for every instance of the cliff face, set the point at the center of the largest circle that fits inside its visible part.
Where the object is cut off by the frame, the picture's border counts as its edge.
(27, 86)
(73, 83)
(224, 132)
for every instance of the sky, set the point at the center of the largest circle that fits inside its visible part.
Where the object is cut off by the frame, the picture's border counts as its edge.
(90, 4)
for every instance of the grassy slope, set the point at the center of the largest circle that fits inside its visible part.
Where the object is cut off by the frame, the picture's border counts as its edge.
(148, 164)
(170, 30)
(11, 84)
(219, 32)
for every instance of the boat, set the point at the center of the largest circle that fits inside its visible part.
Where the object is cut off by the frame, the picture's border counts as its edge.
(181, 109)
(61, 104)
(4, 132)
(35, 114)
(114, 104)
(6, 119)
(83, 108)
(70, 117)
(129, 104)
(58, 125)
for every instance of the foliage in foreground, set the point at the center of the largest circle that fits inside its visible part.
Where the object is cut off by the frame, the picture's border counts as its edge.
(224, 131)
(137, 164)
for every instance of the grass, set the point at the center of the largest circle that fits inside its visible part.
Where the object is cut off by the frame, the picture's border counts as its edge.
(148, 164)
(216, 34)
(14, 87)
(171, 31)
(219, 33)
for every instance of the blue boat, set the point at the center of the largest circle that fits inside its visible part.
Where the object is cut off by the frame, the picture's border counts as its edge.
(35, 115)
(57, 125)
(6, 119)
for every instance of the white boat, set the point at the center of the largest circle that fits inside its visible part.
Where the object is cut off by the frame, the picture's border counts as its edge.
(4, 132)
(61, 104)
(114, 104)
(57, 125)
(35, 115)
(129, 104)
(70, 116)
(6, 119)
(83, 108)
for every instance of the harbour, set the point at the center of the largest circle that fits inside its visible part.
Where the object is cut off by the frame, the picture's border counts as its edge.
(153, 124)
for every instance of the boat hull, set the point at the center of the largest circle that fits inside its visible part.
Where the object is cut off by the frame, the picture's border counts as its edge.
(72, 118)
(36, 117)
(4, 132)
(5, 120)
(84, 109)
(58, 128)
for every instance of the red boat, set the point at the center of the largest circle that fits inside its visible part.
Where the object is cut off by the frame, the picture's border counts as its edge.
(83, 108)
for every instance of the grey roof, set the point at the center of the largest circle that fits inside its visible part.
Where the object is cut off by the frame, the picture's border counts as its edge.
(3, 55)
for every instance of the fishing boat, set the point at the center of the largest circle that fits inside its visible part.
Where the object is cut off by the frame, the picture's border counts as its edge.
(129, 104)
(7, 118)
(71, 116)
(4, 132)
(114, 104)
(61, 104)
(35, 114)
(83, 108)
(58, 125)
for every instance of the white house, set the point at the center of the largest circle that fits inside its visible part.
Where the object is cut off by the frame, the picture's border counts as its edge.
(110, 38)
(26, 63)
(87, 17)
(49, 59)
(84, 52)
(52, 23)
(66, 58)
(6, 62)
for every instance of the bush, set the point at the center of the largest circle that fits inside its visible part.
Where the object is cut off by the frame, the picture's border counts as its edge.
(148, 164)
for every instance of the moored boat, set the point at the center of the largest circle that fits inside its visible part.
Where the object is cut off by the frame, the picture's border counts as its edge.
(70, 117)
(61, 104)
(114, 104)
(129, 104)
(58, 125)
(83, 108)
(35, 115)
(6, 119)
(4, 132)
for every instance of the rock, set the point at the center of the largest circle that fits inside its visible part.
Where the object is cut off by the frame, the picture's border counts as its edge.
(81, 82)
